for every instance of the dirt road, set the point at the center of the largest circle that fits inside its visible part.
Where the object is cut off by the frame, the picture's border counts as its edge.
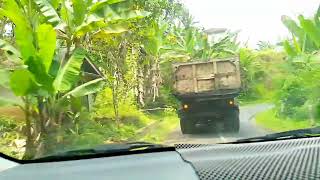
(248, 128)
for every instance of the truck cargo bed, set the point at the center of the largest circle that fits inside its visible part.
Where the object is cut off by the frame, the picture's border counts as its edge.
(202, 79)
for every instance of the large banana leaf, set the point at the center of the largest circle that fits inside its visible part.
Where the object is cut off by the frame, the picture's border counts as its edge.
(296, 45)
(289, 49)
(11, 10)
(311, 29)
(301, 37)
(38, 70)
(24, 40)
(54, 3)
(79, 11)
(68, 75)
(48, 11)
(293, 27)
(102, 4)
(23, 31)
(21, 82)
(87, 88)
(106, 12)
(112, 29)
(316, 17)
(46, 37)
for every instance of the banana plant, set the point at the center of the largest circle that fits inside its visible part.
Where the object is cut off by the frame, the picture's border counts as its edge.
(305, 34)
(48, 82)
(76, 18)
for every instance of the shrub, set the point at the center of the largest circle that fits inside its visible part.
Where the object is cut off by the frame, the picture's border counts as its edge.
(292, 96)
(128, 111)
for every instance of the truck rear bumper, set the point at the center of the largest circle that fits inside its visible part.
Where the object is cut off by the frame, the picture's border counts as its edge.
(202, 119)
(208, 118)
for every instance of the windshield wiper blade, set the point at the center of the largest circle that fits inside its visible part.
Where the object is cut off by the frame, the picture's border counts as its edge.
(105, 149)
(294, 134)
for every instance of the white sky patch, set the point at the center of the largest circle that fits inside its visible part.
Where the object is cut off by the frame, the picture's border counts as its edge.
(257, 19)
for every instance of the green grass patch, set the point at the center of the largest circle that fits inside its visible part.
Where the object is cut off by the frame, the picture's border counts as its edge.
(269, 120)
(253, 102)
(9, 134)
(166, 122)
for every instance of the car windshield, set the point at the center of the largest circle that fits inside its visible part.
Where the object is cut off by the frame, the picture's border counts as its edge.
(80, 74)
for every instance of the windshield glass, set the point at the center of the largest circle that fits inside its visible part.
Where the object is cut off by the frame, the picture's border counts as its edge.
(77, 74)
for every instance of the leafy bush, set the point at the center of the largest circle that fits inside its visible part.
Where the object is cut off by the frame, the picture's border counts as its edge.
(128, 111)
(260, 72)
(100, 126)
(292, 95)
(166, 99)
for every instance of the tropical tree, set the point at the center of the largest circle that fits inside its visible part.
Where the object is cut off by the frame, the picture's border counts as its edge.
(305, 34)
(50, 52)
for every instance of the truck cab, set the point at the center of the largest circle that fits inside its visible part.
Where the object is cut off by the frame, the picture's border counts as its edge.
(207, 92)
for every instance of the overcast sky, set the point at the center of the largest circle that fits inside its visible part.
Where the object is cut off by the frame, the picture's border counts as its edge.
(257, 19)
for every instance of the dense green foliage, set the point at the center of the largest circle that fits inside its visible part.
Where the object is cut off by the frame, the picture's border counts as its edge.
(90, 72)
(297, 91)
(129, 47)
(260, 74)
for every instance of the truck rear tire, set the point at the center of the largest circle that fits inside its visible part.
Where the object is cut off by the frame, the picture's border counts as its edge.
(232, 123)
(186, 126)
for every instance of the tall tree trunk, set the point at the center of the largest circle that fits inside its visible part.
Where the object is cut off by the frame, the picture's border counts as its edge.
(115, 104)
(30, 146)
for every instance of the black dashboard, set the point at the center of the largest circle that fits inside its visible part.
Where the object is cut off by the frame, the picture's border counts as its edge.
(283, 159)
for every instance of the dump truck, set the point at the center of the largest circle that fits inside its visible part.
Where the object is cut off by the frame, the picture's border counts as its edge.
(207, 92)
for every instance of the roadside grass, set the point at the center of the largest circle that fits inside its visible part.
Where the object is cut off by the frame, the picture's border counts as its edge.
(269, 120)
(166, 122)
(253, 102)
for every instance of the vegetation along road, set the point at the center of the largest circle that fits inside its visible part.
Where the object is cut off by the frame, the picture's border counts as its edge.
(248, 128)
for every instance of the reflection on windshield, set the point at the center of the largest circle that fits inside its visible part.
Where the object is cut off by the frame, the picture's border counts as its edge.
(76, 75)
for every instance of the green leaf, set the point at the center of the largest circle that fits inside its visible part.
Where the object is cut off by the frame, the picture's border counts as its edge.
(87, 88)
(54, 3)
(66, 14)
(106, 12)
(24, 40)
(152, 46)
(289, 49)
(37, 68)
(79, 11)
(46, 36)
(112, 29)
(68, 75)
(12, 11)
(23, 30)
(293, 27)
(100, 5)
(49, 12)
(310, 28)
(21, 82)
(316, 17)
(296, 45)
